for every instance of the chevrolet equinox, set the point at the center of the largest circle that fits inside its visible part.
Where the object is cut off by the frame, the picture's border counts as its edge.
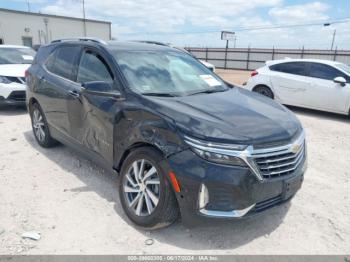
(182, 140)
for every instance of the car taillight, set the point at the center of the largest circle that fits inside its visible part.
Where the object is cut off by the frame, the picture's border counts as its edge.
(26, 73)
(254, 73)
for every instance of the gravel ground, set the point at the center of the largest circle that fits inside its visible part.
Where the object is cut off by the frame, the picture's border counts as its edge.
(74, 204)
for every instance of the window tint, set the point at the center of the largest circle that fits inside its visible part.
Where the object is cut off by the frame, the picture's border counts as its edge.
(92, 67)
(325, 71)
(295, 68)
(61, 62)
(50, 62)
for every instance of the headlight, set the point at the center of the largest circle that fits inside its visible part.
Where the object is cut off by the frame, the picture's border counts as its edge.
(227, 154)
(5, 80)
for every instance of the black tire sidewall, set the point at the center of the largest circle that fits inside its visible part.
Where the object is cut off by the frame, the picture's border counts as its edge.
(155, 158)
(47, 142)
(260, 90)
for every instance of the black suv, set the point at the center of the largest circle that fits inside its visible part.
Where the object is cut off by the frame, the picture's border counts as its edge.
(182, 140)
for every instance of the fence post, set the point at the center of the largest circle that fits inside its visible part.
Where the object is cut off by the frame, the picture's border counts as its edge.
(206, 54)
(302, 53)
(226, 54)
(335, 54)
(248, 57)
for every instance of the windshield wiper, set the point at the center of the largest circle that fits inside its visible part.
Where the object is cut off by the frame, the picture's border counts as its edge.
(209, 91)
(159, 94)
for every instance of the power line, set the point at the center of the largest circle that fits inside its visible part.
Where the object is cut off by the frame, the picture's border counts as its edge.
(256, 28)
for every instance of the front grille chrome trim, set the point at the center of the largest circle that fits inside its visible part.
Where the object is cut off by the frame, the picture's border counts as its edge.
(297, 160)
(254, 158)
(226, 214)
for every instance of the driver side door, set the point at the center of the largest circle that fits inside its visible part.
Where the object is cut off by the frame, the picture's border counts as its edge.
(91, 116)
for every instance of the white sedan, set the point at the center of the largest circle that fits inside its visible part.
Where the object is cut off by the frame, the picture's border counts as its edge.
(316, 84)
(14, 61)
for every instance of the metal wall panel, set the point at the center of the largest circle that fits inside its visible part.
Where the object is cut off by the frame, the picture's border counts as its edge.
(250, 59)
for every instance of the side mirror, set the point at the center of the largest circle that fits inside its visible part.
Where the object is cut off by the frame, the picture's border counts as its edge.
(340, 80)
(100, 88)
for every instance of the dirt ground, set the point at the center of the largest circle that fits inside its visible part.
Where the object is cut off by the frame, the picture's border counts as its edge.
(74, 204)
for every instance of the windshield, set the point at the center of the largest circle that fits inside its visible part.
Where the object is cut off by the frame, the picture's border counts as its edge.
(167, 73)
(344, 67)
(16, 55)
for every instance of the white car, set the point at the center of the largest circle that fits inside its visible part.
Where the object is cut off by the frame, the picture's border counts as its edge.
(310, 83)
(14, 61)
(208, 65)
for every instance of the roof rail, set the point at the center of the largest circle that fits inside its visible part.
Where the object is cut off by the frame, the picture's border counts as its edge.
(91, 39)
(151, 42)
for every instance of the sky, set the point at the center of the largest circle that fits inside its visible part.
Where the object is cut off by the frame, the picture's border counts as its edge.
(199, 22)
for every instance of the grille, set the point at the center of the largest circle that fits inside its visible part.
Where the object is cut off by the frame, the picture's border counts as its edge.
(279, 162)
(17, 96)
(261, 206)
(20, 80)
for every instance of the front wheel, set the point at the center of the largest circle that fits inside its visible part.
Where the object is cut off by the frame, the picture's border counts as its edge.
(40, 127)
(145, 193)
(264, 90)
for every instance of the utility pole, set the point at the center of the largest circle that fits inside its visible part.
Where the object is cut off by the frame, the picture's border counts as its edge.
(333, 40)
(334, 34)
(84, 18)
(28, 5)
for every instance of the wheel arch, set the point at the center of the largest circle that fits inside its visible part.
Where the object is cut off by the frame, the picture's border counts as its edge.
(132, 148)
(32, 101)
(264, 85)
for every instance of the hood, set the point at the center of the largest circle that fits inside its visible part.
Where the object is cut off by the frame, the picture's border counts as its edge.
(13, 70)
(234, 116)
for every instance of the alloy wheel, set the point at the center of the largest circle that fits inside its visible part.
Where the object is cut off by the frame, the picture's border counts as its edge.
(141, 187)
(39, 125)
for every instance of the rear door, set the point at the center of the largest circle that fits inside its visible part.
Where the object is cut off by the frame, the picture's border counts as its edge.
(55, 83)
(324, 93)
(91, 117)
(289, 82)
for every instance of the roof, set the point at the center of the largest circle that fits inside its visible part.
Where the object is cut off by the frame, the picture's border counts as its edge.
(118, 45)
(135, 46)
(286, 60)
(53, 16)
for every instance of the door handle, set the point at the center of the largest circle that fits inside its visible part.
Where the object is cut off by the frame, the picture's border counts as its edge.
(74, 93)
(42, 79)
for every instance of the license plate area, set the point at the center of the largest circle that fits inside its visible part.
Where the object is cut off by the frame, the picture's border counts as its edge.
(291, 186)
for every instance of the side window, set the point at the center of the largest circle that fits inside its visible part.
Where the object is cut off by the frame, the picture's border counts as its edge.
(62, 61)
(324, 71)
(92, 67)
(50, 62)
(295, 68)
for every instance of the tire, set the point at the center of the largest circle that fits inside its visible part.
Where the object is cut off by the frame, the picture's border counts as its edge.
(40, 127)
(265, 91)
(134, 191)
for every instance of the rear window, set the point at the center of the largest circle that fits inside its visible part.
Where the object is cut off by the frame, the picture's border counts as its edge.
(295, 68)
(63, 60)
(16, 56)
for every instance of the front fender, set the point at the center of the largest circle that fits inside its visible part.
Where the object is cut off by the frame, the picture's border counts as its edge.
(141, 127)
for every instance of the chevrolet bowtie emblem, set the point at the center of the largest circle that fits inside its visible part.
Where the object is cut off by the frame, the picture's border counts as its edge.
(295, 148)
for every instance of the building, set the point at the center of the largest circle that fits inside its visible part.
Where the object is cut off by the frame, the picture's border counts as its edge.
(30, 29)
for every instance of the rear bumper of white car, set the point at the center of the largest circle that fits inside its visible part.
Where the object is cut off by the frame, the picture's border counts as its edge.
(12, 94)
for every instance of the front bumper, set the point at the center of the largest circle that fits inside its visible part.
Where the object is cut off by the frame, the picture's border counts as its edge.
(11, 102)
(13, 94)
(234, 192)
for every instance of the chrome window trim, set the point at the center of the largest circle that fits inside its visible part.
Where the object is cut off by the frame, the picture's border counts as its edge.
(248, 155)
